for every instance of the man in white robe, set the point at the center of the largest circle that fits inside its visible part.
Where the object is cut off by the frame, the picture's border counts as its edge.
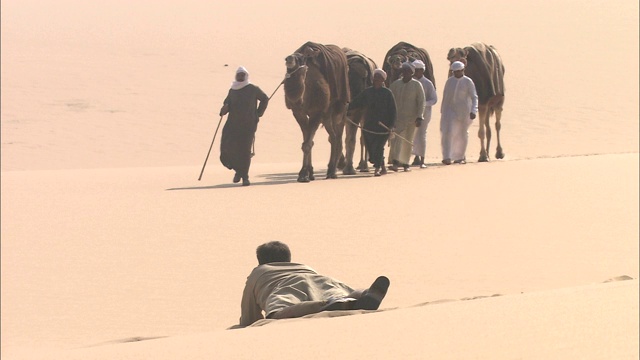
(459, 108)
(431, 98)
(410, 103)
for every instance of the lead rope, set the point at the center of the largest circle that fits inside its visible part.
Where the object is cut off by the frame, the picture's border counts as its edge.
(391, 132)
(286, 76)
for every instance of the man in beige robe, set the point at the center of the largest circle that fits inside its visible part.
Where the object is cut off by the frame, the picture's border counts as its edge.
(410, 104)
(282, 289)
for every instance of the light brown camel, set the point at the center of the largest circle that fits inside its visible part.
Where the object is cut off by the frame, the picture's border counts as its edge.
(403, 52)
(316, 90)
(360, 77)
(484, 66)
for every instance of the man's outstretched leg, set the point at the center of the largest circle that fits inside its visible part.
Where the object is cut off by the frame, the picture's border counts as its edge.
(372, 297)
(299, 310)
(369, 299)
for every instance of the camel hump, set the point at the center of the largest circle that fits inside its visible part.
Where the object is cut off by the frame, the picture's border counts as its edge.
(486, 69)
(403, 51)
(491, 64)
(499, 70)
(311, 52)
(354, 56)
(480, 47)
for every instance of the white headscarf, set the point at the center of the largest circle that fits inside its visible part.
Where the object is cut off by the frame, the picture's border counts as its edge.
(418, 64)
(237, 85)
(381, 72)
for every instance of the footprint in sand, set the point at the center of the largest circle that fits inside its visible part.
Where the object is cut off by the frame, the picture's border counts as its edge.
(619, 278)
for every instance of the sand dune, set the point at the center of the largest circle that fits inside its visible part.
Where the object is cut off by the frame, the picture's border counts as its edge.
(555, 324)
(153, 252)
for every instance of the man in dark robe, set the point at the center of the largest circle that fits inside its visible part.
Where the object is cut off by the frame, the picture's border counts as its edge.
(380, 107)
(239, 131)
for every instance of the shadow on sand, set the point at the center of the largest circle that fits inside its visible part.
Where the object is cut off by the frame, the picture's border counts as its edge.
(275, 179)
(292, 178)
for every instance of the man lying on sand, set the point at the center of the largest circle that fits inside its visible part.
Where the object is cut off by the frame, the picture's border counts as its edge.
(283, 289)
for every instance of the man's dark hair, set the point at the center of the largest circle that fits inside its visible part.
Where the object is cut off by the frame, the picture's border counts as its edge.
(273, 251)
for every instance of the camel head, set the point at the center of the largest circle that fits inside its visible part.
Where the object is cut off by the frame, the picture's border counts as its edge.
(396, 60)
(294, 79)
(412, 56)
(457, 54)
(294, 61)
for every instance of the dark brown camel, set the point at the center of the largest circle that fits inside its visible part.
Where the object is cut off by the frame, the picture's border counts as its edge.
(360, 77)
(484, 66)
(316, 90)
(403, 52)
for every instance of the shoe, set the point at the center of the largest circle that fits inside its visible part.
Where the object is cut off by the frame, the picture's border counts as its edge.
(236, 178)
(372, 297)
(423, 166)
(245, 181)
(463, 161)
(446, 161)
(416, 160)
(393, 167)
(376, 172)
(383, 171)
(406, 167)
(339, 304)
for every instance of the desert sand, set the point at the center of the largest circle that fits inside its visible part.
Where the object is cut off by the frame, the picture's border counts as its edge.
(112, 249)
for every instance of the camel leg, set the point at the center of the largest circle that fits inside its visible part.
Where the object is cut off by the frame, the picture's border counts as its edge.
(334, 123)
(306, 172)
(482, 121)
(498, 109)
(308, 127)
(303, 122)
(314, 123)
(307, 146)
(487, 131)
(350, 145)
(342, 162)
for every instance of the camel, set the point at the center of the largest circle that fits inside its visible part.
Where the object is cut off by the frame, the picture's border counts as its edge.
(360, 77)
(484, 66)
(316, 90)
(403, 52)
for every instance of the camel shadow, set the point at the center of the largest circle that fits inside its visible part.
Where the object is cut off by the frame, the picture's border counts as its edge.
(274, 179)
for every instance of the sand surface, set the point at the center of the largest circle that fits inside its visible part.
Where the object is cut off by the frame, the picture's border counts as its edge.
(108, 238)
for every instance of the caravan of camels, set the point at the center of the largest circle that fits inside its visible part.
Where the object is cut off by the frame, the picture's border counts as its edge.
(322, 79)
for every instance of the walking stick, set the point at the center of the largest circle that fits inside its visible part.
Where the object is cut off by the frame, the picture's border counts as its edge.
(210, 147)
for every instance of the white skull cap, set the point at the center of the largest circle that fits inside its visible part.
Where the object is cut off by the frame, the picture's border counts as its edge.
(457, 65)
(418, 64)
